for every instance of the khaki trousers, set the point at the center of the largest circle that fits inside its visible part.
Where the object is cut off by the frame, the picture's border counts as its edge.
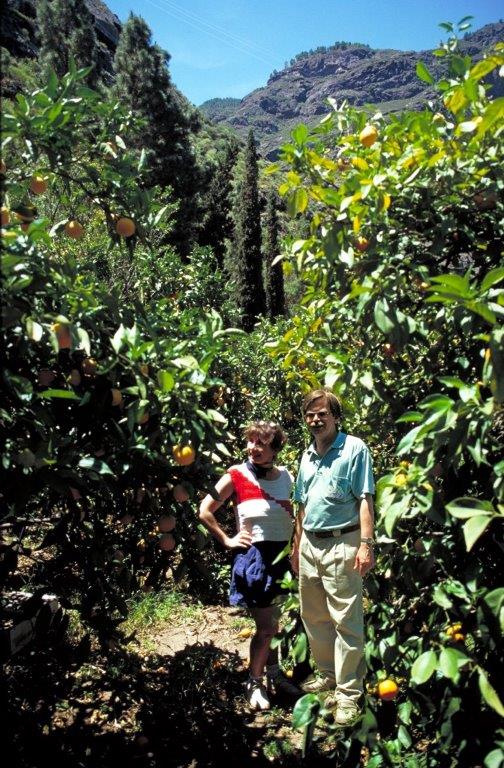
(330, 592)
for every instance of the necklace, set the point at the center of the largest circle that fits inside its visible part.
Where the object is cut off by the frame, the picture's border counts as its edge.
(259, 471)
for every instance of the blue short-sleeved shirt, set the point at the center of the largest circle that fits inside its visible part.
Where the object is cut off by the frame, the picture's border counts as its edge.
(330, 487)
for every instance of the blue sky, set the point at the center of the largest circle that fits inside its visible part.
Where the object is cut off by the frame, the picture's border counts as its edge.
(229, 47)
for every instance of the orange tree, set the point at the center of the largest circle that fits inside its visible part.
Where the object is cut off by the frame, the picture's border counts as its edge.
(104, 429)
(402, 315)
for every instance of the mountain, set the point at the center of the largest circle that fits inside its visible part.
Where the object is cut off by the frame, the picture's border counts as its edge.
(18, 31)
(361, 75)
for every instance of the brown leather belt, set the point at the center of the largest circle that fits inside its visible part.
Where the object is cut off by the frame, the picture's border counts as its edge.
(334, 532)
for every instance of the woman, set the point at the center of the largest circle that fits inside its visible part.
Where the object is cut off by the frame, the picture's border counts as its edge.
(261, 496)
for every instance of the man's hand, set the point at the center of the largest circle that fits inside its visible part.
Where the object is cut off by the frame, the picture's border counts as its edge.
(294, 560)
(364, 560)
(242, 540)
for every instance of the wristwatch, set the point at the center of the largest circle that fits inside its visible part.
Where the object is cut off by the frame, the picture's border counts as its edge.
(368, 540)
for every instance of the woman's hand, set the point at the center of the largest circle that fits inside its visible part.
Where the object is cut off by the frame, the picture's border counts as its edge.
(242, 540)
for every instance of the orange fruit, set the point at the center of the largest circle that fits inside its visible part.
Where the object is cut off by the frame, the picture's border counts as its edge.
(362, 244)
(45, 377)
(387, 690)
(180, 493)
(368, 135)
(143, 418)
(117, 397)
(38, 185)
(89, 366)
(184, 454)
(73, 229)
(454, 629)
(74, 378)
(63, 335)
(166, 523)
(5, 216)
(26, 458)
(166, 542)
(245, 632)
(125, 227)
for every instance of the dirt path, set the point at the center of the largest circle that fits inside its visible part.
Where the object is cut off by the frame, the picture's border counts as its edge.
(219, 626)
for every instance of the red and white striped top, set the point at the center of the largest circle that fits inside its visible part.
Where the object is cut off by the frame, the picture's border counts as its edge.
(263, 507)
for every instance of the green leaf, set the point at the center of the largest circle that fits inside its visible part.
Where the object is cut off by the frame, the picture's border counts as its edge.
(34, 330)
(300, 134)
(493, 277)
(466, 507)
(448, 663)
(423, 667)
(64, 394)
(495, 599)
(298, 201)
(117, 339)
(305, 710)
(441, 598)
(474, 528)
(495, 758)
(489, 693)
(166, 380)
(90, 462)
(423, 73)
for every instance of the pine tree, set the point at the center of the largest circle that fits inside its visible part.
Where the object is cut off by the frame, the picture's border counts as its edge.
(66, 32)
(143, 83)
(274, 282)
(250, 290)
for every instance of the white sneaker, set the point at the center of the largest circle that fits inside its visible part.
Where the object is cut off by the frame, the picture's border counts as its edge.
(317, 684)
(257, 697)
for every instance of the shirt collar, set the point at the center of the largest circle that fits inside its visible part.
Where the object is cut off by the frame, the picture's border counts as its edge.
(336, 445)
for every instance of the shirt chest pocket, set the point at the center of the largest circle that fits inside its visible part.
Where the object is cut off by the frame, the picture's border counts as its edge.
(338, 488)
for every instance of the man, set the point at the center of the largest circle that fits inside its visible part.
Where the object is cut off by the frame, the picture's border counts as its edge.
(332, 550)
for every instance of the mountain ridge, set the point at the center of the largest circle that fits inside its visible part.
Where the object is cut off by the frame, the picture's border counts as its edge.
(356, 73)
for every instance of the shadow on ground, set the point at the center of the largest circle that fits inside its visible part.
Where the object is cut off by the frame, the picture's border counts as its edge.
(74, 708)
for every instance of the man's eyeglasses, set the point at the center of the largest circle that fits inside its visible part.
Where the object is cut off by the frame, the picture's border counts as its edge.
(310, 415)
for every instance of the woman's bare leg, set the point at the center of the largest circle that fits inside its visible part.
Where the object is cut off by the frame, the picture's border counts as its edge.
(266, 620)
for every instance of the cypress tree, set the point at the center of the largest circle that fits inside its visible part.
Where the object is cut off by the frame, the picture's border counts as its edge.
(143, 84)
(218, 222)
(250, 291)
(66, 31)
(274, 282)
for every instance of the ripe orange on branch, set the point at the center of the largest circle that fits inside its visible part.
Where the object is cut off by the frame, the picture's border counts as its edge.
(38, 185)
(63, 335)
(73, 229)
(166, 542)
(362, 244)
(180, 493)
(387, 690)
(368, 136)
(166, 523)
(125, 227)
(184, 454)
(89, 366)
